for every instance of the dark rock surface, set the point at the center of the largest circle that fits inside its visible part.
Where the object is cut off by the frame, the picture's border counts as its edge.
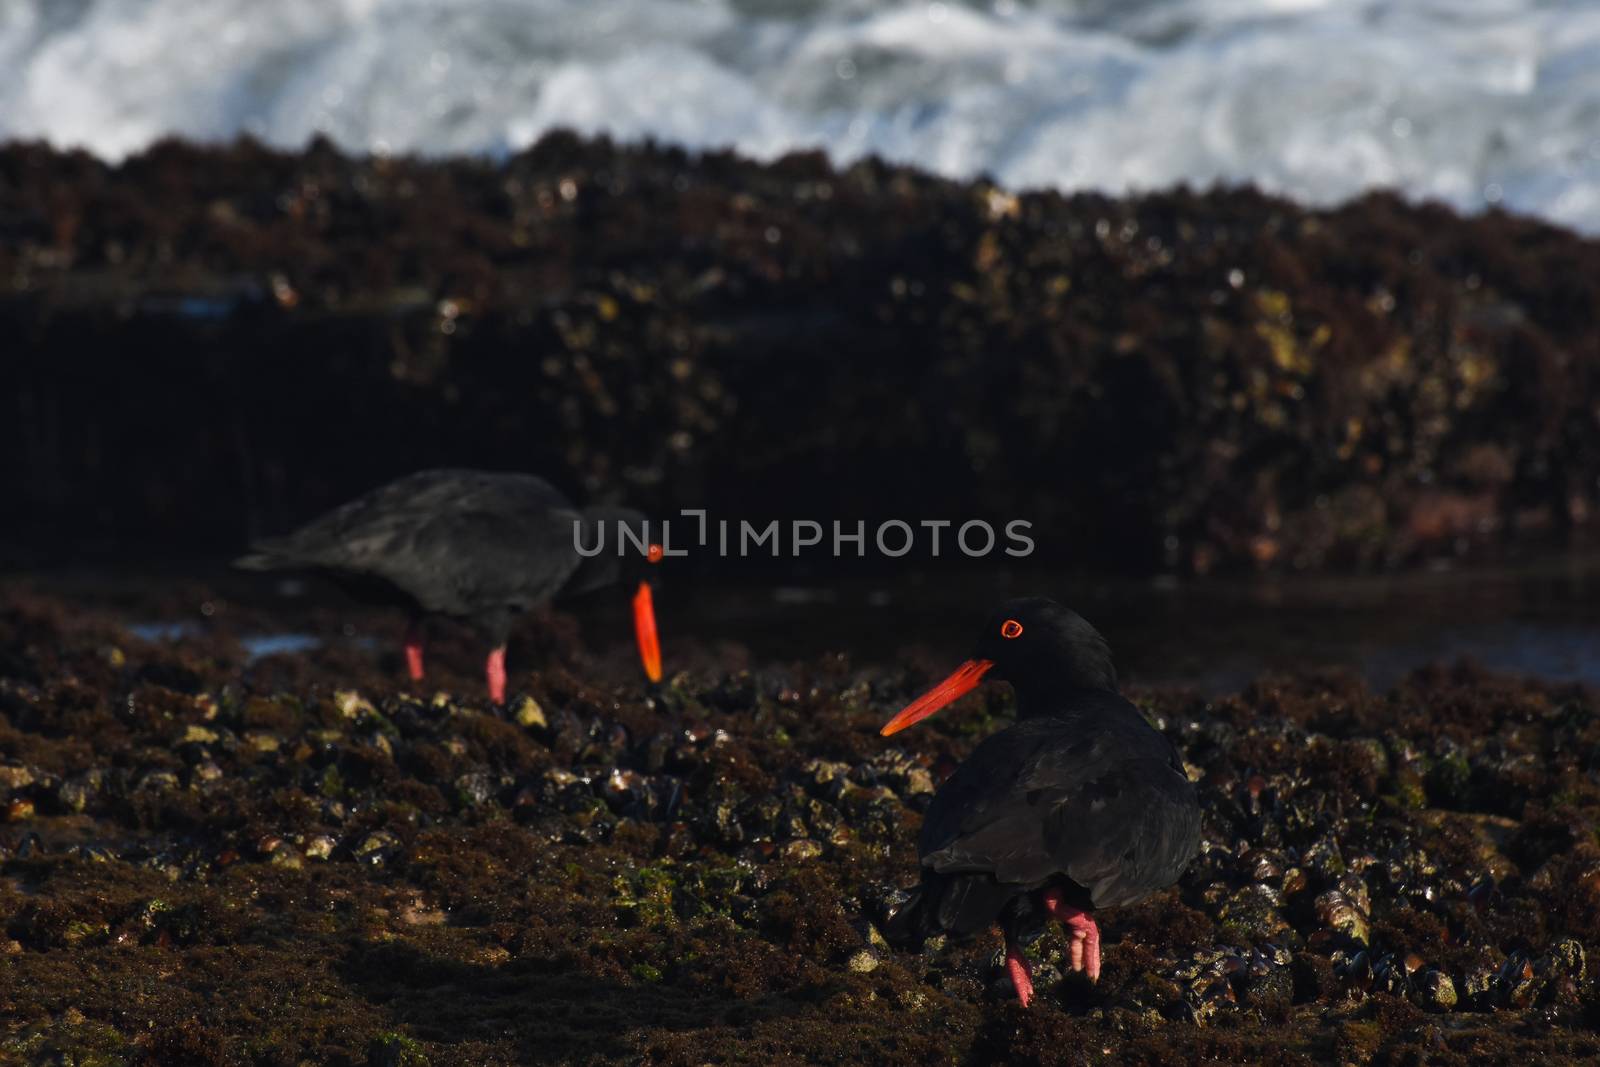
(201, 344)
(301, 858)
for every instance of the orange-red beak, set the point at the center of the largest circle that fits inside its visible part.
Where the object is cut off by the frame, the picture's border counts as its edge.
(964, 680)
(644, 628)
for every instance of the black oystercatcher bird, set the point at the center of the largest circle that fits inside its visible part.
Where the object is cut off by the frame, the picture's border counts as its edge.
(1080, 805)
(473, 545)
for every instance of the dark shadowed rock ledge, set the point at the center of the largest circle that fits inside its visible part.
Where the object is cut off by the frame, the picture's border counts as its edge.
(204, 343)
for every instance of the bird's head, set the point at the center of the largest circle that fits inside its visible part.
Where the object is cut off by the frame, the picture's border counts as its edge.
(1032, 642)
(644, 617)
(629, 555)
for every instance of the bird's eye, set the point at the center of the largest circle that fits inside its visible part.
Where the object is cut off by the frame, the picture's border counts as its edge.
(655, 554)
(1011, 628)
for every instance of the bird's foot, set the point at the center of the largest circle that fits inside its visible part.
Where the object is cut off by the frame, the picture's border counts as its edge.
(413, 647)
(495, 670)
(1083, 935)
(1021, 975)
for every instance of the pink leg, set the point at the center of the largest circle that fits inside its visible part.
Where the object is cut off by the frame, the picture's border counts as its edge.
(414, 652)
(496, 671)
(1021, 976)
(1081, 929)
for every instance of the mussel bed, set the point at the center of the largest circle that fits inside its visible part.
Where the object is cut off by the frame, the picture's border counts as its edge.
(206, 859)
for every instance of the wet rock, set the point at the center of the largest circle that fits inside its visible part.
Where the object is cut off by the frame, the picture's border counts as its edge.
(1153, 992)
(738, 691)
(565, 791)
(863, 961)
(827, 778)
(352, 705)
(1478, 984)
(887, 903)
(14, 777)
(473, 790)
(899, 772)
(723, 825)
(1251, 915)
(530, 715)
(158, 782)
(201, 735)
(869, 934)
(1268, 988)
(1449, 777)
(1485, 894)
(821, 820)
(1208, 998)
(1214, 868)
(1567, 959)
(377, 849)
(800, 851)
(263, 742)
(1372, 754)
(1314, 977)
(1410, 793)
(1433, 990)
(74, 794)
(396, 1050)
(1324, 860)
(79, 933)
(635, 796)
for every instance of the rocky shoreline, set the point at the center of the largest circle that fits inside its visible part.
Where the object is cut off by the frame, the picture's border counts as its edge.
(213, 859)
(1181, 382)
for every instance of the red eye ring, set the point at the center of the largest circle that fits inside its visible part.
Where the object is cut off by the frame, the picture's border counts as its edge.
(655, 554)
(1010, 629)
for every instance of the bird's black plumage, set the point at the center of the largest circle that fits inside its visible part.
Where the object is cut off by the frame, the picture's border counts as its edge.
(478, 546)
(1091, 797)
(1082, 796)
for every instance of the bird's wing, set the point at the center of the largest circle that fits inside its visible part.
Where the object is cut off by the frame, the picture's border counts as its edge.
(1035, 802)
(448, 538)
(407, 501)
(466, 562)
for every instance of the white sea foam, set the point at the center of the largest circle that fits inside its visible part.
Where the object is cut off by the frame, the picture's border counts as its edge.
(1469, 101)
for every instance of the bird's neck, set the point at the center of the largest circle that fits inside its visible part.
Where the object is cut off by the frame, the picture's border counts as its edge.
(1036, 697)
(1046, 684)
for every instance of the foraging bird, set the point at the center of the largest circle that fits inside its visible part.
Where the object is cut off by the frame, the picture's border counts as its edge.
(1080, 805)
(473, 545)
